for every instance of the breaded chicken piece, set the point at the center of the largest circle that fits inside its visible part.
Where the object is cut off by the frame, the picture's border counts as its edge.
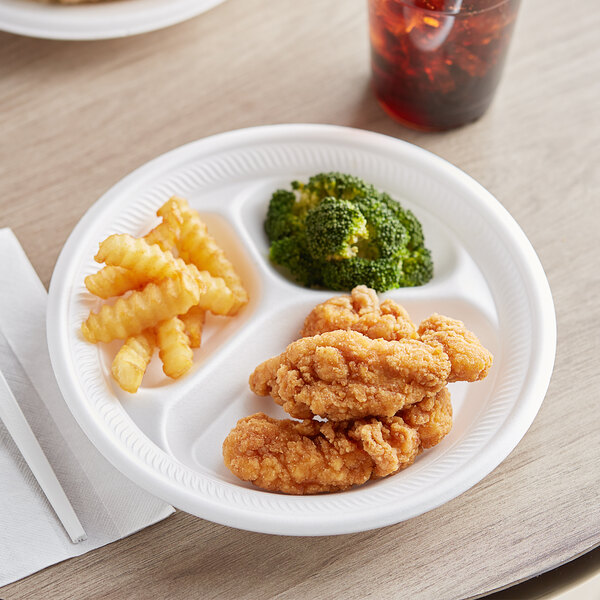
(311, 457)
(342, 375)
(470, 360)
(361, 312)
(432, 418)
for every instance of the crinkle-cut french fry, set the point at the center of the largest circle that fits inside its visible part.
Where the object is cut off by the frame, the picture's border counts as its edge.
(172, 212)
(174, 347)
(113, 281)
(136, 254)
(193, 321)
(198, 247)
(165, 233)
(142, 309)
(131, 361)
(215, 295)
(162, 235)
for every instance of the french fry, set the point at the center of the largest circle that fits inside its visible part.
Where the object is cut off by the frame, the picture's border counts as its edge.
(165, 234)
(193, 321)
(174, 347)
(161, 287)
(198, 247)
(162, 235)
(131, 361)
(136, 254)
(113, 281)
(172, 212)
(142, 309)
(215, 295)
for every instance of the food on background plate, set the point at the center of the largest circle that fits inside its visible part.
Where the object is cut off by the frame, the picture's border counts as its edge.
(385, 400)
(337, 232)
(163, 285)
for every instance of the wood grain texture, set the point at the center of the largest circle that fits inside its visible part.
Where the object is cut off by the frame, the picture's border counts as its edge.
(76, 117)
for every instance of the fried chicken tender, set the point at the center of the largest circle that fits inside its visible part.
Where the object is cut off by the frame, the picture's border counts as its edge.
(311, 457)
(342, 375)
(431, 418)
(361, 312)
(469, 359)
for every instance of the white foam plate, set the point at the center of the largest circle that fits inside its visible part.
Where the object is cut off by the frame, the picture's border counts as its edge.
(167, 437)
(118, 18)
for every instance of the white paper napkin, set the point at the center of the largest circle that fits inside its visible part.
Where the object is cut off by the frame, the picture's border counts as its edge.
(108, 505)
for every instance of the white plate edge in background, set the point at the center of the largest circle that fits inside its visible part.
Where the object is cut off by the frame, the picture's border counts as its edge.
(107, 20)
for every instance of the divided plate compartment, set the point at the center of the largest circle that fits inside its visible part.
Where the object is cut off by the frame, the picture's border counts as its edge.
(168, 436)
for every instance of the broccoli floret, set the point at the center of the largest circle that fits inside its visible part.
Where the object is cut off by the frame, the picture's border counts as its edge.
(333, 228)
(338, 232)
(337, 185)
(412, 225)
(417, 268)
(387, 234)
(380, 274)
(291, 253)
(281, 220)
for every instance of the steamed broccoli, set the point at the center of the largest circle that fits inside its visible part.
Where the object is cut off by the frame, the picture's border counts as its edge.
(337, 231)
(281, 221)
(333, 228)
(417, 268)
(290, 252)
(336, 185)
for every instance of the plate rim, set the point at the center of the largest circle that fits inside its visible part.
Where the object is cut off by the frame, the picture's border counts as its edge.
(187, 10)
(503, 441)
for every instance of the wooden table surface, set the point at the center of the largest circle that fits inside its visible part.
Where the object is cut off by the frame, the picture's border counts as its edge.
(77, 117)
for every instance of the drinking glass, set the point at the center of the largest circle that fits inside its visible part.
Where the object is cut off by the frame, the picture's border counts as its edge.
(436, 63)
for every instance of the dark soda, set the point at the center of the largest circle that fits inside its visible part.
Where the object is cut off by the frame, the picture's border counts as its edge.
(436, 63)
